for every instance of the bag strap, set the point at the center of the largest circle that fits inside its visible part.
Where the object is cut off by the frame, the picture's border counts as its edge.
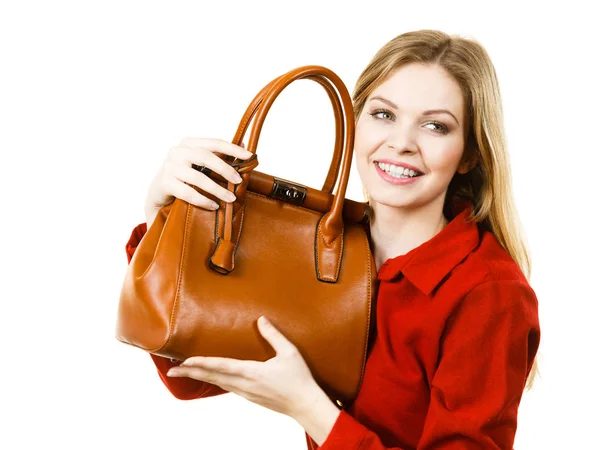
(332, 175)
(329, 241)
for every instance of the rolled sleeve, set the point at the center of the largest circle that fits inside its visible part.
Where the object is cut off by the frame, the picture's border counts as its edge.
(136, 236)
(347, 433)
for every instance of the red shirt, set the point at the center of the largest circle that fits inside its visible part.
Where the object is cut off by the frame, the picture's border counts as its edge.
(457, 331)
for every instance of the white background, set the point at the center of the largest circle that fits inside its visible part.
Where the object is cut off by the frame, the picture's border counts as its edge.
(92, 96)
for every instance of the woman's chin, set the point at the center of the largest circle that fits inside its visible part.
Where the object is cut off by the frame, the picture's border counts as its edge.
(390, 202)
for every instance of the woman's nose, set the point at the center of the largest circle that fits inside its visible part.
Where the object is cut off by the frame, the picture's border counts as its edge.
(402, 141)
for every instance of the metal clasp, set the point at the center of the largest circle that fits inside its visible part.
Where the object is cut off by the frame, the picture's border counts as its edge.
(288, 191)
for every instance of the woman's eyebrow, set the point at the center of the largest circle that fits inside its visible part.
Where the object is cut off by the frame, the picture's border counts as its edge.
(429, 112)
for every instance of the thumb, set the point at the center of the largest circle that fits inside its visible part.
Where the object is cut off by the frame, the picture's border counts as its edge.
(277, 340)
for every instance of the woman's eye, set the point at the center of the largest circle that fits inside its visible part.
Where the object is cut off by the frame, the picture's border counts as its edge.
(384, 114)
(382, 111)
(441, 128)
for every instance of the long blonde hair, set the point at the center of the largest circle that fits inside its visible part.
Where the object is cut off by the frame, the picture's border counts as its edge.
(488, 185)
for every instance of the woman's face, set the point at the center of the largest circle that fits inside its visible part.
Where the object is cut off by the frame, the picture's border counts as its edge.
(398, 129)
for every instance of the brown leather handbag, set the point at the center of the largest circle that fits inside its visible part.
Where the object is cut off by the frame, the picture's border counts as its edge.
(200, 279)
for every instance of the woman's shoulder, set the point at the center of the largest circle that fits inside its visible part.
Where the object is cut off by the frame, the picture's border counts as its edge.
(490, 263)
(490, 280)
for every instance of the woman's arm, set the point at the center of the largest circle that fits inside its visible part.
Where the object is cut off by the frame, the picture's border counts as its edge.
(182, 388)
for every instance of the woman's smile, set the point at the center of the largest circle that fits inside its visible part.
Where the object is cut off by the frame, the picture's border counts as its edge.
(396, 174)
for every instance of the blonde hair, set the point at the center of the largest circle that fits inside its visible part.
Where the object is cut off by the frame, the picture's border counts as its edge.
(488, 185)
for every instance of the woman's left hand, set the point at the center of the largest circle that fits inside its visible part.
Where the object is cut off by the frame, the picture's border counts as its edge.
(283, 383)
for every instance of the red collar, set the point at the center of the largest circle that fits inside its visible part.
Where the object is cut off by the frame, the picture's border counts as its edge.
(428, 264)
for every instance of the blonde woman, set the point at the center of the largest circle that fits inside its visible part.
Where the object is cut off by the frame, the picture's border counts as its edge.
(457, 321)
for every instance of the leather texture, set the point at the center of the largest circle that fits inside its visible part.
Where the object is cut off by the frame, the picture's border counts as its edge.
(200, 279)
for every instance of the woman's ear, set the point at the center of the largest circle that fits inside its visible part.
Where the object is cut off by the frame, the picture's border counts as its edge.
(469, 160)
(467, 164)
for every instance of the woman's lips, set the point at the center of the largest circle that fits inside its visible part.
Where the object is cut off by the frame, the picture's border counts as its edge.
(393, 180)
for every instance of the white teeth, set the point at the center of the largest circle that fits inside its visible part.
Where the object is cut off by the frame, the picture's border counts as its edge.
(397, 171)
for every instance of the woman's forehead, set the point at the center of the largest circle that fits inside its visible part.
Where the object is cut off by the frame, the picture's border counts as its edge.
(420, 87)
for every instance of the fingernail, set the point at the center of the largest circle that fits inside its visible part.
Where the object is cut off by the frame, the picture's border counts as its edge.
(214, 205)
(231, 197)
(237, 178)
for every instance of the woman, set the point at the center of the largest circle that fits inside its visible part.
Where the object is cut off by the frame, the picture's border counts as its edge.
(457, 321)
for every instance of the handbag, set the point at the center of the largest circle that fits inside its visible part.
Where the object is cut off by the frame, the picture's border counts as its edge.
(200, 279)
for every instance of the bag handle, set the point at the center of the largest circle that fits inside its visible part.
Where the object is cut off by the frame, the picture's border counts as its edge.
(329, 234)
(332, 175)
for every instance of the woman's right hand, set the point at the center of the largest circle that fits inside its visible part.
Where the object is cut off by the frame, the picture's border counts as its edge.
(170, 181)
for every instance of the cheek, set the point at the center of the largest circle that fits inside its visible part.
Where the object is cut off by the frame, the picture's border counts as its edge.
(365, 140)
(363, 148)
(445, 159)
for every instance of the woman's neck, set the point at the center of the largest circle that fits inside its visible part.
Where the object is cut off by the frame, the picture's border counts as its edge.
(396, 231)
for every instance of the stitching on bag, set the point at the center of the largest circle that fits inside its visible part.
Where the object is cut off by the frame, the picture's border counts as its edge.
(368, 328)
(237, 241)
(217, 224)
(318, 250)
(341, 252)
(180, 276)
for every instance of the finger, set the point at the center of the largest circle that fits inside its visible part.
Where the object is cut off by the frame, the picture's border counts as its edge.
(192, 176)
(216, 145)
(185, 156)
(277, 340)
(197, 373)
(237, 367)
(216, 164)
(230, 383)
(189, 194)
